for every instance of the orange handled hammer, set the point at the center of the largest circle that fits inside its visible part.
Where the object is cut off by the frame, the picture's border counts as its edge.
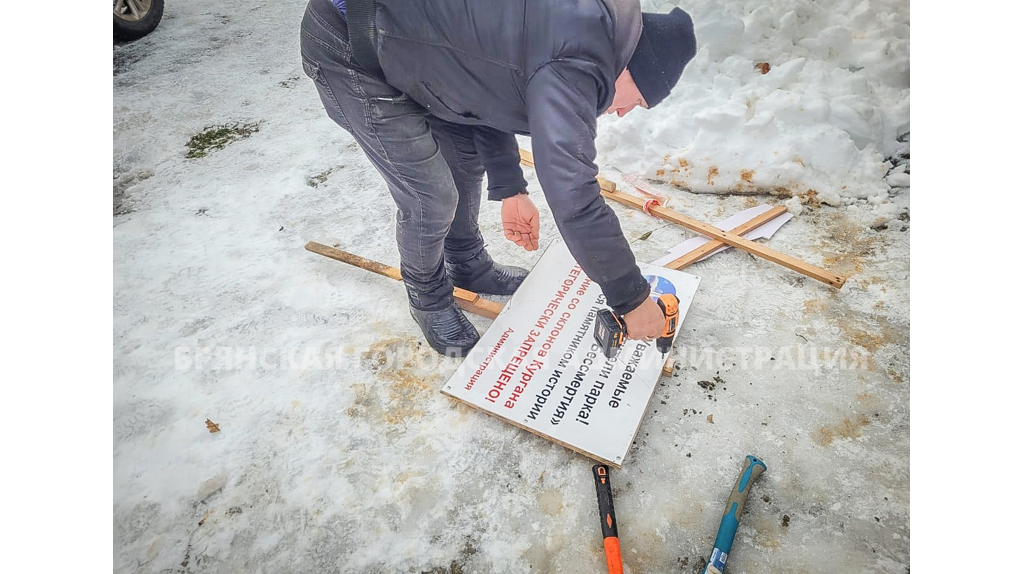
(609, 527)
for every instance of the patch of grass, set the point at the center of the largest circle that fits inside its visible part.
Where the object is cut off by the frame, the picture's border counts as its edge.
(216, 137)
(316, 180)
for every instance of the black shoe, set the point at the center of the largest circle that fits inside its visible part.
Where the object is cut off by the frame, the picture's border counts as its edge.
(482, 275)
(447, 330)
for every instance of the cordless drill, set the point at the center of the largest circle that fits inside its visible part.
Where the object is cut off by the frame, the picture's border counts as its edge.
(610, 329)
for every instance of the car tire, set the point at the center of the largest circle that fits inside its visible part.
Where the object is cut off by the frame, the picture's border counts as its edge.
(134, 19)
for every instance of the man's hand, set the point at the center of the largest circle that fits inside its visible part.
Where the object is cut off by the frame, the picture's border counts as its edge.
(521, 222)
(645, 322)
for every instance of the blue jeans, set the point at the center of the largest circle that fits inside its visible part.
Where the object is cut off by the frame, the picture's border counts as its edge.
(431, 166)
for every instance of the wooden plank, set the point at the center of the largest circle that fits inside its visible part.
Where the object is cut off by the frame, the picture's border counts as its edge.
(353, 259)
(666, 371)
(526, 158)
(466, 300)
(737, 241)
(605, 184)
(710, 246)
(474, 303)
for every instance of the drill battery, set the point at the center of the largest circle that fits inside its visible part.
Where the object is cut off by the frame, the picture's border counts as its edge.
(610, 329)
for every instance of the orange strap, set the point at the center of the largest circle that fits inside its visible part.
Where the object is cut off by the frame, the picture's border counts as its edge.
(649, 204)
(645, 190)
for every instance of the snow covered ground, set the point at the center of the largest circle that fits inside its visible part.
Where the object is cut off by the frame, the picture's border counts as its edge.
(335, 450)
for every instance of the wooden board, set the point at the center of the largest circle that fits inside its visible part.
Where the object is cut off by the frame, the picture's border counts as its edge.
(526, 158)
(466, 300)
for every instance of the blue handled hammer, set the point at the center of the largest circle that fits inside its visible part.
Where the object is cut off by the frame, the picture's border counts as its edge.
(752, 468)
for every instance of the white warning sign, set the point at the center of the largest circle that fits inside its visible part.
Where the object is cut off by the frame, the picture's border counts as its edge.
(539, 367)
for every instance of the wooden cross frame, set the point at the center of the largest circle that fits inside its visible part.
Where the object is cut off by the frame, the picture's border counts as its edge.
(718, 237)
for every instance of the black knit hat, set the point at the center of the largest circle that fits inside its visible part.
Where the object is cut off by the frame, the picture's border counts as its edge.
(667, 44)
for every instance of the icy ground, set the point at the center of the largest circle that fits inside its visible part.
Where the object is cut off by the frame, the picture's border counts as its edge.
(335, 450)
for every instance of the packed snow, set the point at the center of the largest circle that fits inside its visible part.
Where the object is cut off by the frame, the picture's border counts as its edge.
(789, 97)
(335, 450)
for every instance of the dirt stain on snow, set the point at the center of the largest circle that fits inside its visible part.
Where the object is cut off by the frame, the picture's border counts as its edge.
(712, 174)
(847, 246)
(849, 428)
(870, 341)
(809, 197)
(871, 332)
(816, 306)
(460, 564)
(766, 533)
(550, 502)
(364, 403)
(395, 361)
(894, 375)
(127, 53)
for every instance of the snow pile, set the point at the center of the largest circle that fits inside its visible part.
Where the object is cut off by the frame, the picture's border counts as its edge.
(792, 97)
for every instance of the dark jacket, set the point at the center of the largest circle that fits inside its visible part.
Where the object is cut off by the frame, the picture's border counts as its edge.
(543, 68)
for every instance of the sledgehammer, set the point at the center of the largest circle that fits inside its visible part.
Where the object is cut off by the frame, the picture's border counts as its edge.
(609, 526)
(752, 469)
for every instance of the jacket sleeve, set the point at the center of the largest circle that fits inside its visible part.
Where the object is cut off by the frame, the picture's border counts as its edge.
(562, 99)
(499, 153)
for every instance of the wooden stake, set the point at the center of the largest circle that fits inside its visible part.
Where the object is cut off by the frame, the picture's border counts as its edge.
(526, 158)
(605, 184)
(666, 370)
(710, 246)
(731, 239)
(466, 300)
